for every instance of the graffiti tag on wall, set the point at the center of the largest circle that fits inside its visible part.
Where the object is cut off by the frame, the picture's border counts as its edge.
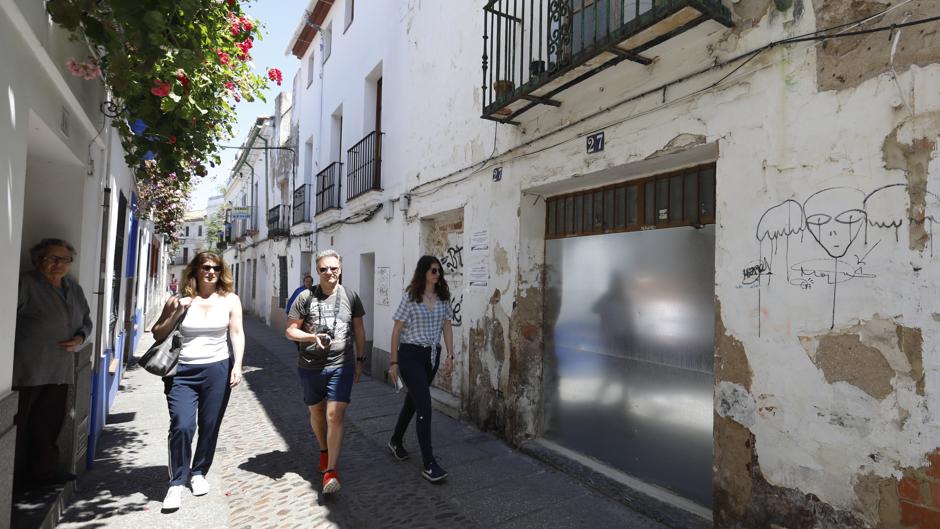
(836, 232)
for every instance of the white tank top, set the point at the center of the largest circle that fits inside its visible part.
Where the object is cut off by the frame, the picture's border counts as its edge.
(204, 337)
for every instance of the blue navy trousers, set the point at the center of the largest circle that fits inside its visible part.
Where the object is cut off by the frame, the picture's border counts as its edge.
(197, 397)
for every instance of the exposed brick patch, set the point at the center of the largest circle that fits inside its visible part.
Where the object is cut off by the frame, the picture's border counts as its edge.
(935, 495)
(933, 470)
(909, 489)
(919, 517)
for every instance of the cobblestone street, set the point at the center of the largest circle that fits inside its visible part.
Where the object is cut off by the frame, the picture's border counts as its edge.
(265, 475)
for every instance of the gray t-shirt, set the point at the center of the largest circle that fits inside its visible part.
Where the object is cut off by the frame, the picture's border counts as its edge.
(316, 310)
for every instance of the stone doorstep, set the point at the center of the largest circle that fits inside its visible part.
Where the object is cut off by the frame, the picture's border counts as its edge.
(445, 403)
(649, 500)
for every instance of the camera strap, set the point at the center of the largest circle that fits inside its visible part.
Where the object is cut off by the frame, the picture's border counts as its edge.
(336, 307)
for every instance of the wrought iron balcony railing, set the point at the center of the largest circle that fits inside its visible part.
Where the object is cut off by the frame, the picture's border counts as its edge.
(329, 183)
(302, 198)
(279, 221)
(535, 49)
(364, 166)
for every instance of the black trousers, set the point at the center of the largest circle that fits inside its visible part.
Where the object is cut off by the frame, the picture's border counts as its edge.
(39, 417)
(417, 372)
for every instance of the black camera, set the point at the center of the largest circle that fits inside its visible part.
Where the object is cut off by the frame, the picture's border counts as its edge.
(326, 335)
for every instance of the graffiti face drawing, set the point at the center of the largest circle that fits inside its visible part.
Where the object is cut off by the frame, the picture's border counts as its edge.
(835, 218)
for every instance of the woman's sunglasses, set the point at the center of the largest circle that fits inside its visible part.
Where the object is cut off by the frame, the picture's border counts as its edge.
(210, 268)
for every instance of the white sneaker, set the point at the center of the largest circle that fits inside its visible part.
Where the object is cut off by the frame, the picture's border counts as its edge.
(199, 484)
(174, 498)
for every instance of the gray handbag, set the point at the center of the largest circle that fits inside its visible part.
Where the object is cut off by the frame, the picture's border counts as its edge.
(162, 357)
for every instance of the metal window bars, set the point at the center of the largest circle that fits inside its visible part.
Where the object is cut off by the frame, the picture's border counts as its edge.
(534, 49)
(329, 182)
(364, 166)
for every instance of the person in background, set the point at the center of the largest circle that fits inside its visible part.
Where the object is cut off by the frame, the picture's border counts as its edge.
(422, 316)
(52, 322)
(174, 286)
(308, 284)
(325, 320)
(198, 393)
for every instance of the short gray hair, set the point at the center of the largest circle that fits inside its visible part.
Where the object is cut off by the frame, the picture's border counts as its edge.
(36, 251)
(329, 253)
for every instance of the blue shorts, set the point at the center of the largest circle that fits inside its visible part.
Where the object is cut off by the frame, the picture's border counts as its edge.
(334, 383)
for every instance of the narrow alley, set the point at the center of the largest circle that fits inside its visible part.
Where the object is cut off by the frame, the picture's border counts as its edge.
(265, 476)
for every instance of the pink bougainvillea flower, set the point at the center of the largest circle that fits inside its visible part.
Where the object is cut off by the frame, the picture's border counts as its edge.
(181, 77)
(87, 70)
(230, 86)
(223, 57)
(231, 3)
(172, 140)
(275, 75)
(160, 88)
(246, 23)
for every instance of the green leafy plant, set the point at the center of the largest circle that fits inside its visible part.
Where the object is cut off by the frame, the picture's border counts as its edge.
(175, 68)
(215, 224)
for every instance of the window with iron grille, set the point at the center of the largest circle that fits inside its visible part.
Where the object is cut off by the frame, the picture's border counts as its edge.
(680, 198)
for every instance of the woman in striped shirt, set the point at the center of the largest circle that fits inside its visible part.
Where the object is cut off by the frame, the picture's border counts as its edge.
(423, 314)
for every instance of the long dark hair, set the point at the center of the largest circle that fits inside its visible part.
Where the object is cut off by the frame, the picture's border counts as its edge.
(416, 288)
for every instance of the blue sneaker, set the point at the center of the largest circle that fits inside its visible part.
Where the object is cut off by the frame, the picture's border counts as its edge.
(433, 472)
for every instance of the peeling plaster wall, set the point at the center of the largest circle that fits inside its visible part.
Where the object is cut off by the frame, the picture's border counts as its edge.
(819, 426)
(827, 370)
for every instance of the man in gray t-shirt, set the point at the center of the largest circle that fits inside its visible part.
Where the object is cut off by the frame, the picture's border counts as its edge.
(324, 321)
(332, 313)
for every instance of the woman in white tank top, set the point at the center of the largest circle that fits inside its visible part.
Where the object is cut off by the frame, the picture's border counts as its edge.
(197, 394)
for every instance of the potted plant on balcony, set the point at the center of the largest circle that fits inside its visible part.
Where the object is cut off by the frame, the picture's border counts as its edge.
(503, 89)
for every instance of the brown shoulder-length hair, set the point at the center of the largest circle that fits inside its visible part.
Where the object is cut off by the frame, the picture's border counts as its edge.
(225, 285)
(418, 283)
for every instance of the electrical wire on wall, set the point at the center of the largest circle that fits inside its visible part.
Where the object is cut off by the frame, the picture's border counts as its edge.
(816, 38)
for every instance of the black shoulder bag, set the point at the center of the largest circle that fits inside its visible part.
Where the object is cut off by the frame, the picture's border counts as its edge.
(162, 357)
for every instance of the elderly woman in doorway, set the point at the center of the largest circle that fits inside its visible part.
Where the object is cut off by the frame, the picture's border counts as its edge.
(423, 314)
(52, 322)
(198, 393)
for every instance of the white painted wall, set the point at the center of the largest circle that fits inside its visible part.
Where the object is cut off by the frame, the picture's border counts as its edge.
(774, 137)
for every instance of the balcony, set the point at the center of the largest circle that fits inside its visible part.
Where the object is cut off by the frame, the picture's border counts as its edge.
(302, 196)
(329, 183)
(278, 221)
(536, 49)
(364, 166)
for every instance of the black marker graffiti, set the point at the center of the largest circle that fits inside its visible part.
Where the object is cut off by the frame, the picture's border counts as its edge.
(837, 219)
(455, 306)
(753, 272)
(453, 260)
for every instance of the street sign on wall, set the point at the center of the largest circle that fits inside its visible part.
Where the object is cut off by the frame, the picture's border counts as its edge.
(242, 212)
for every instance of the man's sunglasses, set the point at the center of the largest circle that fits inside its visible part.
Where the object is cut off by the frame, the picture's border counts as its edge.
(325, 269)
(209, 268)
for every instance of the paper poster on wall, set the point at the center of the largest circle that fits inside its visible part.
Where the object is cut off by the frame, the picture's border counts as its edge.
(479, 275)
(478, 271)
(480, 241)
(381, 285)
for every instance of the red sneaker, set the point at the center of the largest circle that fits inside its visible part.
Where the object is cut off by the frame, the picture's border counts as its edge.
(330, 482)
(324, 461)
